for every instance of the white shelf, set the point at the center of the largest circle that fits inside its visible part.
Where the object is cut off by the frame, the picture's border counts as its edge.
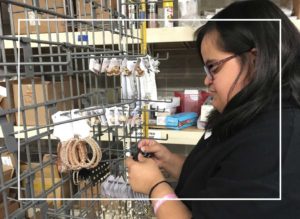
(188, 136)
(171, 34)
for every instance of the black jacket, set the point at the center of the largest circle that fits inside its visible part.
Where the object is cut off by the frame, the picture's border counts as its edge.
(246, 165)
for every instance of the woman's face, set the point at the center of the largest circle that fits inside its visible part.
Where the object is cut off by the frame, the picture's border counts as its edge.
(225, 74)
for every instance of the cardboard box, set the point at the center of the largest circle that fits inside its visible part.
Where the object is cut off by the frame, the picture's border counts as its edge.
(161, 116)
(62, 191)
(28, 90)
(11, 207)
(8, 163)
(4, 101)
(21, 13)
(91, 191)
(191, 100)
(85, 11)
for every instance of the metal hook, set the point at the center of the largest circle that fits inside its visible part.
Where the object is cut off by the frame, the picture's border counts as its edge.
(165, 58)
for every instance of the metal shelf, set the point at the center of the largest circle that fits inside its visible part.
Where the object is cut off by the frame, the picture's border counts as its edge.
(174, 136)
(154, 35)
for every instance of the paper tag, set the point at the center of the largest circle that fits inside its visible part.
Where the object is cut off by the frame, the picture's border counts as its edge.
(64, 132)
(117, 116)
(154, 134)
(94, 66)
(3, 92)
(80, 127)
(191, 92)
(6, 161)
(32, 21)
(138, 133)
(105, 65)
(205, 111)
(207, 134)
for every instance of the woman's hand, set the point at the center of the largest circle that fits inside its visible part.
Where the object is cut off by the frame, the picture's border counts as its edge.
(161, 154)
(164, 158)
(143, 174)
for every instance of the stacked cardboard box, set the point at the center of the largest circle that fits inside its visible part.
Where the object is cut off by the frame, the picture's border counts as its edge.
(8, 164)
(62, 191)
(8, 169)
(39, 89)
(36, 26)
(85, 11)
(4, 103)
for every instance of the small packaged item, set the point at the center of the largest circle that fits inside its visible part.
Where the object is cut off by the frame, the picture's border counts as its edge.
(94, 65)
(181, 120)
(80, 127)
(114, 67)
(124, 69)
(110, 116)
(64, 131)
(206, 109)
(105, 65)
(116, 116)
(139, 70)
(122, 116)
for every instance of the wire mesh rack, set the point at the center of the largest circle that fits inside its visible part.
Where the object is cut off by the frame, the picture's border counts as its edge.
(52, 81)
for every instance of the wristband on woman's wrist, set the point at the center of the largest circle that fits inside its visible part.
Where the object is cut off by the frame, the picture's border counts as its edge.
(153, 187)
(163, 200)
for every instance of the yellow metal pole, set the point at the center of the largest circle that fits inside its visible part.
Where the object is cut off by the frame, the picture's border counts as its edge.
(143, 28)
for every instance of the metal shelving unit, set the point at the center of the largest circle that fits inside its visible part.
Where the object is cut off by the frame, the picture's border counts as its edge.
(50, 58)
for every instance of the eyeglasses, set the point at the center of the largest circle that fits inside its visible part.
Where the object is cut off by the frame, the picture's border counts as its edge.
(215, 67)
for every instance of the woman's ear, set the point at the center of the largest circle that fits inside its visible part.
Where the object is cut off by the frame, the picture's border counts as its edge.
(253, 54)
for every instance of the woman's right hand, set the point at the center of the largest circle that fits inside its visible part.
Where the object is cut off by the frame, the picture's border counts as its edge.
(161, 155)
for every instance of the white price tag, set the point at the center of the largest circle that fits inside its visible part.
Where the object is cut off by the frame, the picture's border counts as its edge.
(80, 127)
(64, 131)
(32, 18)
(205, 111)
(155, 134)
(94, 66)
(3, 92)
(6, 161)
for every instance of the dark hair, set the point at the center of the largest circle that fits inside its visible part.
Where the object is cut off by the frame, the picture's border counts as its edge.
(239, 36)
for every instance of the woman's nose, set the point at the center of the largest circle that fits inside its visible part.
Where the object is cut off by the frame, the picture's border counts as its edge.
(207, 80)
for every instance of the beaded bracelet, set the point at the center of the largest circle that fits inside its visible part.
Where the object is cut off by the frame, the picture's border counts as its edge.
(64, 153)
(73, 154)
(70, 158)
(79, 155)
(96, 150)
(60, 166)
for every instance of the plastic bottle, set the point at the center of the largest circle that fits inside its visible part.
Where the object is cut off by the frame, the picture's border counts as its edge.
(168, 13)
(152, 13)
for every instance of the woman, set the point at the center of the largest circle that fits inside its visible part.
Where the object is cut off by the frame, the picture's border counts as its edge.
(238, 157)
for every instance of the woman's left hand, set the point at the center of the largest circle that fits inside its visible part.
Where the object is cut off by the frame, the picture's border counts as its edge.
(143, 174)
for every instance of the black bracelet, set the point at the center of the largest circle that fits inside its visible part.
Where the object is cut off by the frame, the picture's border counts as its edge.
(153, 187)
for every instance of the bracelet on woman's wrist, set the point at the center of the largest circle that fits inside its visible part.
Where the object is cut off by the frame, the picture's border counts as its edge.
(165, 198)
(153, 187)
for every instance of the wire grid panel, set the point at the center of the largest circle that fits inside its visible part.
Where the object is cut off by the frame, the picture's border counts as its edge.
(51, 50)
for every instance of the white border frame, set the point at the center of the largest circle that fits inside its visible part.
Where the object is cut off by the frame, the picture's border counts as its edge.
(143, 199)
